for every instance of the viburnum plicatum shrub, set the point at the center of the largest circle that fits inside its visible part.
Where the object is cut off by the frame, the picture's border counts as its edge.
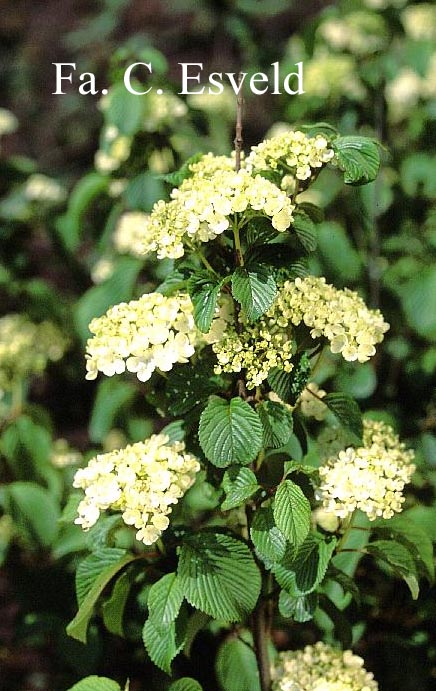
(295, 484)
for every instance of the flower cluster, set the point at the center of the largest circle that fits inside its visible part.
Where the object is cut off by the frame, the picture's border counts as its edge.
(142, 481)
(40, 188)
(63, 455)
(26, 348)
(8, 122)
(310, 401)
(419, 21)
(292, 152)
(140, 336)
(162, 110)
(341, 316)
(320, 667)
(358, 32)
(370, 478)
(114, 150)
(257, 349)
(130, 231)
(331, 76)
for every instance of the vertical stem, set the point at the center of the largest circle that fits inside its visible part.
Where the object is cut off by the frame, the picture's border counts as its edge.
(238, 141)
(260, 627)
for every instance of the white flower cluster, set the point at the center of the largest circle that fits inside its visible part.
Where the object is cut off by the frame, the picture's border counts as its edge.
(293, 153)
(359, 32)
(40, 188)
(63, 455)
(141, 336)
(143, 481)
(114, 150)
(130, 230)
(330, 76)
(26, 348)
(8, 122)
(407, 88)
(419, 21)
(341, 316)
(310, 401)
(370, 478)
(320, 667)
(161, 110)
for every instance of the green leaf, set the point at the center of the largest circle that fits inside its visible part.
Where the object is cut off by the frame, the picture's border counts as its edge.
(124, 110)
(34, 512)
(418, 299)
(254, 287)
(236, 666)
(302, 570)
(305, 230)
(358, 157)
(277, 423)
(94, 683)
(196, 622)
(239, 484)
(347, 412)
(289, 385)
(143, 191)
(186, 684)
(187, 388)
(229, 433)
(268, 540)
(162, 643)
(324, 128)
(300, 609)
(338, 253)
(70, 225)
(112, 396)
(165, 599)
(91, 579)
(342, 627)
(404, 530)
(176, 178)
(204, 290)
(175, 281)
(218, 575)
(292, 512)
(113, 608)
(400, 559)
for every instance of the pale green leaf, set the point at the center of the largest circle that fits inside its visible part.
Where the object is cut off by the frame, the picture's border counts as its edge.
(94, 683)
(358, 157)
(34, 512)
(165, 599)
(254, 287)
(277, 423)
(186, 684)
(292, 512)
(236, 666)
(300, 609)
(239, 484)
(268, 540)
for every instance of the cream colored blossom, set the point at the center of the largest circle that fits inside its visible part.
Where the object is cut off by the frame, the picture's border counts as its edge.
(114, 150)
(102, 269)
(63, 455)
(341, 316)
(403, 93)
(161, 111)
(333, 76)
(40, 188)
(8, 122)
(370, 478)
(419, 21)
(142, 481)
(26, 348)
(131, 233)
(321, 667)
(310, 403)
(141, 336)
(293, 153)
(359, 32)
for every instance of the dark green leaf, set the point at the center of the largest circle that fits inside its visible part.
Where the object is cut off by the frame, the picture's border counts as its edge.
(342, 627)
(218, 575)
(305, 230)
(165, 599)
(255, 289)
(113, 608)
(112, 396)
(186, 684)
(175, 179)
(187, 388)
(400, 559)
(239, 484)
(302, 570)
(292, 512)
(404, 530)
(268, 540)
(70, 225)
(277, 423)
(347, 411)
(236, 666)
(34, 512)
(230, 433)
(300, 609)
(358, 157)
(204, 290)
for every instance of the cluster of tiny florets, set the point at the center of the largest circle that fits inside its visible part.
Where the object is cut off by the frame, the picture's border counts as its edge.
(359, 32)
(310, 401)
(62, 455)
(41, 188)
(161, 111)
(320, 667)
(130, 231)
(292, 153)
(143, 481)
(140, 336)
(341, 316)
(370, 478)
(256, 349)
(330, 76)
(26, 348)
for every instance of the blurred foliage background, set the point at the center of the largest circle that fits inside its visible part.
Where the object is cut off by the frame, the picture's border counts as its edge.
(71, 165)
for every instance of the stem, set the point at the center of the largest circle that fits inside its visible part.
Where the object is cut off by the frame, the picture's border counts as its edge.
(238, 141)
(203, 259)
(261, 638)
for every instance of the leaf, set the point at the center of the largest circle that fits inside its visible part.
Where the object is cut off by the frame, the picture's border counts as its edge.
(165, 599)
(338, 253)
(112, 396)
(143, 191)
(254, 287)
(124, 110)
(347, 584)
(187, 388)
(305, 230)
(342, 627)
(35, 513)
(91, 579)
(404, 530)
(302, 570)
(70, 226)
(400, 559)
(162, 643)
(239, 484)
(358, 157)
(113, 608)
(94, 683)
(175, 281)
(300, 609)
(196, 622)
(229, 433)
(418, 299)
(204, 290)
(176, 178)
(218, 575)
(347, 411)
(277, 423)
(324, 128)
(292, 512)
(186, 684)
(236, 666)
(268, 540)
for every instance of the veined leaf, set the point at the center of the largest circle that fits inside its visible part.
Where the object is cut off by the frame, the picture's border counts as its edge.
(113, 608)
(229, 433)
(302, 570)
(404, 530)
(218, 575)
(94, 683)
(236, 666)
(277, 423)
(347, 411)
(358, 157)
(268, 540)
(300, 609)
(204, 290)
(254, 287)
(239, 484)
(165, 599)
(292, 512)
(305, 230)
(400, 559)
(163, 643)
(186, 684)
